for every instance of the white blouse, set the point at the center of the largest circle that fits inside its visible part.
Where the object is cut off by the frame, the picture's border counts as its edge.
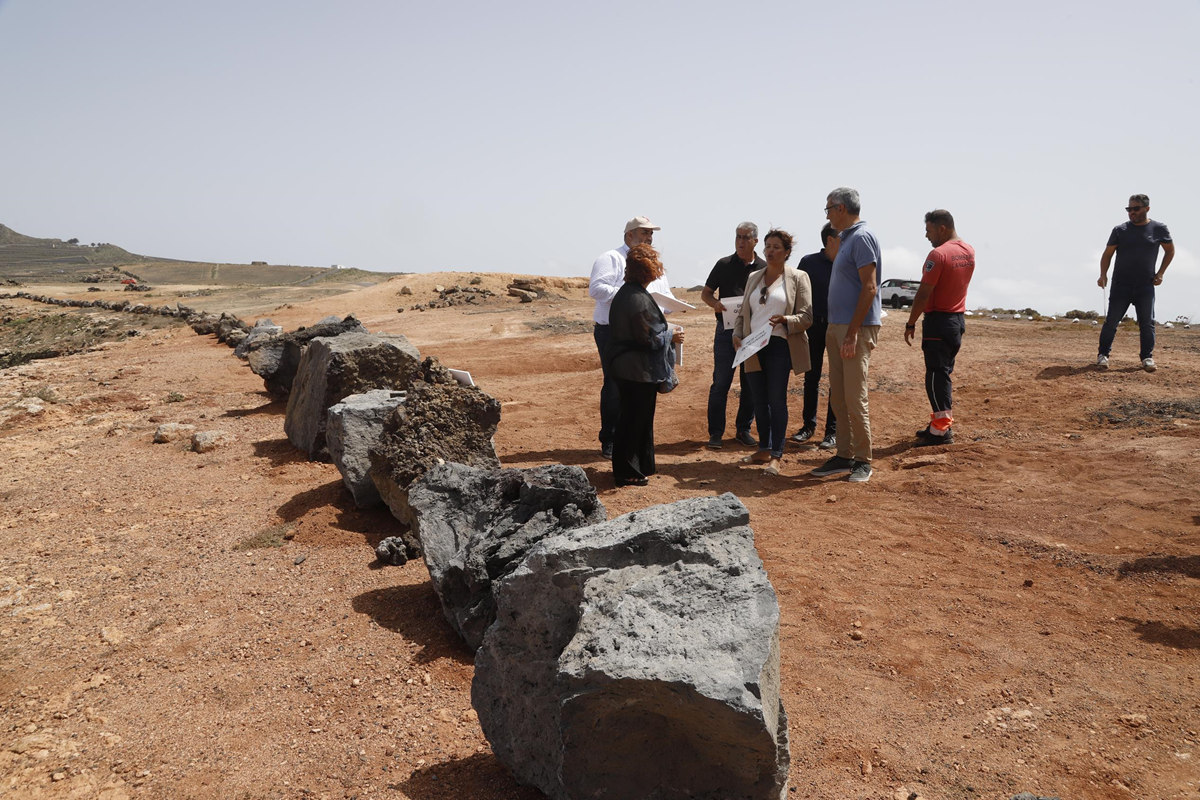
(776, 304)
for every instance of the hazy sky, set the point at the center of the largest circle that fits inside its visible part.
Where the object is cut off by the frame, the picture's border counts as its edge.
(520, 136)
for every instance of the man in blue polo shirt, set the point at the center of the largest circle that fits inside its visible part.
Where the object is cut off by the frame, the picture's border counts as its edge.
(854, 319)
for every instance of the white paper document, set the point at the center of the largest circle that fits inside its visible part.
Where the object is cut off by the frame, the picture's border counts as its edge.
(732, 306)
(678, 353)
(752, 344)
(462, 376)
(670, 303)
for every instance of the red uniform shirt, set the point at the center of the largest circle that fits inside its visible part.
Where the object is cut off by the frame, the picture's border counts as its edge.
(948, 269)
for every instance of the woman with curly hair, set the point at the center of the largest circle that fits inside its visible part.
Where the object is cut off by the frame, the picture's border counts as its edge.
(781, 297)
(639, 356)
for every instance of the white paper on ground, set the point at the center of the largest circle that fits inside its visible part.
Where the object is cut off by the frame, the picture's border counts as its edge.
(670, 303)
(752, 344)
(462, 376)
(732, 306)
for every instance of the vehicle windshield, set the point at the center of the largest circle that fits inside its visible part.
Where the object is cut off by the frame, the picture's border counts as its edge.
(911, 284)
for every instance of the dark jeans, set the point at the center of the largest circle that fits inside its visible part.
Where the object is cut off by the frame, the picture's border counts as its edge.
(718, 394)
(610, 403)
(633, 445)
(812, 380)
(769, 386)
(1120, 298)
(941, 337)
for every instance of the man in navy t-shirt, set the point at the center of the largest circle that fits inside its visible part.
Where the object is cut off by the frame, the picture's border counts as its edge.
(819, 266)
(1136, 244)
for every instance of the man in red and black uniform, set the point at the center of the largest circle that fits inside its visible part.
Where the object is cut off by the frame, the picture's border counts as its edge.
(943, 299)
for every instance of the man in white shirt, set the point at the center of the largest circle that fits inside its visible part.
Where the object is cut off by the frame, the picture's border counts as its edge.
(608, 274)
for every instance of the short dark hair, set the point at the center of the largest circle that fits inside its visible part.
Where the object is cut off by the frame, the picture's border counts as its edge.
(784, 237)
(642, 265)
(827, 233)
(1140, 199)
(940, 216)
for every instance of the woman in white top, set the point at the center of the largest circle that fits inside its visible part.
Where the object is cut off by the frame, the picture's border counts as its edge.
(780, 297)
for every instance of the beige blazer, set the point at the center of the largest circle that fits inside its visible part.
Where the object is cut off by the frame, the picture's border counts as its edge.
(798, 290)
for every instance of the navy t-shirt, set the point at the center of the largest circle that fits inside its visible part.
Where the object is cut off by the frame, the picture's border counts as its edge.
(819, 268)
(1137, 251)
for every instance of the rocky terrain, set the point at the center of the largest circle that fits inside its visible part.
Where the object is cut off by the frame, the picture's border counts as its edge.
(1014, 613)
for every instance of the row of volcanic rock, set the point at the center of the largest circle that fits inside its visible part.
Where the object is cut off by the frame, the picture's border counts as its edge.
(636, 657)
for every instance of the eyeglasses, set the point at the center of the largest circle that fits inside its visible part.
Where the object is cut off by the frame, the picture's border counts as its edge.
(830, 208)
(1131, 209)
(746, 238)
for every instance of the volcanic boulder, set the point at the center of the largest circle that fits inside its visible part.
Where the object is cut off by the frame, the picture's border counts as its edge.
(333, 368)
(440, 421)
(275, 359)
(354, 425)
(477, 525)
(639, 658)
(263, 329)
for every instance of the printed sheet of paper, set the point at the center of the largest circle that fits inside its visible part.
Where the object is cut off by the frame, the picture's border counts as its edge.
(462, 376)
(670, 303)
(678, 353)
(732, 306)
(752, 344)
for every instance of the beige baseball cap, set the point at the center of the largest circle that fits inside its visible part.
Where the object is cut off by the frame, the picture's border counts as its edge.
(640, 222)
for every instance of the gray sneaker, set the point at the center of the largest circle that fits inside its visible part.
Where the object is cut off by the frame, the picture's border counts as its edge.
(1102, 361)
(834, 466)
(829, 442)
(1149, 365)
(861, 472)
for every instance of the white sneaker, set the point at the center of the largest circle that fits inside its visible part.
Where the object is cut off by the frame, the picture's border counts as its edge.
(1102, 361)
(1149, 365)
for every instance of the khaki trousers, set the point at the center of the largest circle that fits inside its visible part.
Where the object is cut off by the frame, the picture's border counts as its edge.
(848, 390)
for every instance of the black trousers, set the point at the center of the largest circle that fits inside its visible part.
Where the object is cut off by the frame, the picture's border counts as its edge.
(718, 394)
(610, 406)
(633, 444)
(812, 380)
(941, 337)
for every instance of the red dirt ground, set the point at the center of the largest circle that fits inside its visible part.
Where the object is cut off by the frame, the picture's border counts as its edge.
(1027, 597)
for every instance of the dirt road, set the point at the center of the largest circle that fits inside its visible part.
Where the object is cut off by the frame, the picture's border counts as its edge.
(1026, 599)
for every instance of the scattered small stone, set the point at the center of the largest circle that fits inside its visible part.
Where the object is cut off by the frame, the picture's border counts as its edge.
(1134, 720)
(833, 498)
(856, 635)
(392, 551)
(58, 776)
(439, 288)
(406, 290)
(207, 441)
(1028, 582)
(171, 431)
(299, 560)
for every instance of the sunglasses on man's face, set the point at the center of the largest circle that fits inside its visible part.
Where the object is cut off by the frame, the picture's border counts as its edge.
(1132, 209)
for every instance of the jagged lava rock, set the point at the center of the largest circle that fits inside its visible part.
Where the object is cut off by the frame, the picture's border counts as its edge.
(441, 421)
(275, 359)
(639, 658)
(334, 368)
(352, 427)
(263, 329)
(477, 525)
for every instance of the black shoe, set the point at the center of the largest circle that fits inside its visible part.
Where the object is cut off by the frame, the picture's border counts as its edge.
(745, 438)
(803, 435)
(714, 443)
(829, 442)
(606, 449)
(861, 472)
(927, 439)
(834, 466)
(633, 482)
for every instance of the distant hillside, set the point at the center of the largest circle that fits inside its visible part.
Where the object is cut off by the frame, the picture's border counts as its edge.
(27, 259)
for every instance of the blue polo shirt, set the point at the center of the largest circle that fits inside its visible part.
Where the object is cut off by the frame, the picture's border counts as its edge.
(859, 247)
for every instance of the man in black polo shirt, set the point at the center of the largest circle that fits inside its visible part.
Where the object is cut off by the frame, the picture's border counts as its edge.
(1136, 244)
(819, 266)
(728, 279)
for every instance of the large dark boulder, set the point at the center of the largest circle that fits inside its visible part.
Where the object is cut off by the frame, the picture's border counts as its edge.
(333, 368)
(353, 427)
(441, 421)
(476, 525)
(639, 658)
(275, 359)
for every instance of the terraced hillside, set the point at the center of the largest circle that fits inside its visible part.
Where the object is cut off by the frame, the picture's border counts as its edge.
(30, 260)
